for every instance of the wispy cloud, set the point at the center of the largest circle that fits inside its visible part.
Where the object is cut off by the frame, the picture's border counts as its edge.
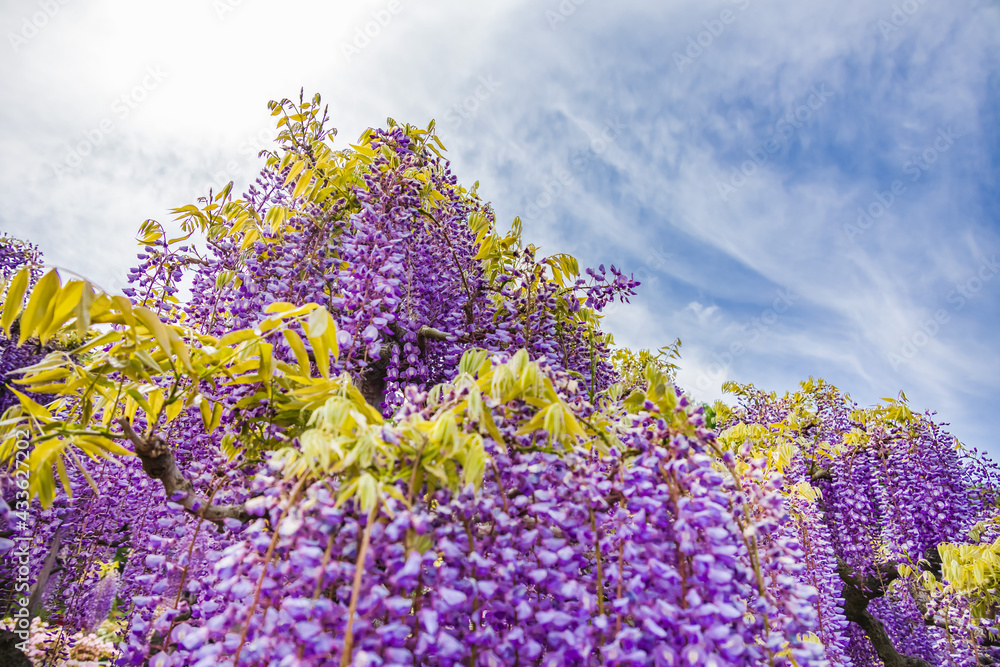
(845, 152)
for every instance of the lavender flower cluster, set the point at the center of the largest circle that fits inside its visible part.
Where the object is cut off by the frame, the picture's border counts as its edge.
(571, 559)
(892, 487)
(669, 546)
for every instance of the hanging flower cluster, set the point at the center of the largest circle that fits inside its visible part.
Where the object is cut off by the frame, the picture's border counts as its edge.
(571, 556)
(881, 495)
(345, 420)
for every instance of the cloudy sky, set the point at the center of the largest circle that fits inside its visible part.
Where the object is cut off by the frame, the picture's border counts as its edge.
(805, 188)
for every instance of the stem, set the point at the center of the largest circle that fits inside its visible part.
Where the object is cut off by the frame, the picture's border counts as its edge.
(184, 572)
(503, 492)
(600, 569)
(621, 566)
(345, 658)
(322, 569)
(263, 574)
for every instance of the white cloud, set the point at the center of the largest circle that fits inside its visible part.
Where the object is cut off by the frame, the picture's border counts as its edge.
(648, 200)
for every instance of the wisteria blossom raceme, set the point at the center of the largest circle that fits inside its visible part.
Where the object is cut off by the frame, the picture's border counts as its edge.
(879, 495)
(571, 557)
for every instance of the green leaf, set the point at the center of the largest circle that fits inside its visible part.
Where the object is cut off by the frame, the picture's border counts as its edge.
(38, 304)
(235, 337)
(367, 492)
(295, 171)
(155, 326)
(15, 296)
(317, 322)
(83, 309)
(299, 349)
(39, 412)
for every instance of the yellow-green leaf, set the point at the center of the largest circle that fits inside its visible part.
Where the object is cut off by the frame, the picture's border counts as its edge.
(295, 171)
(15, 295)
(37, 411)
(105, 444)
(330, 335)
(83, 309)
(38, 304)
(235, 337)
(367, 492)
(216, 417)
(61, 468)
(40, 462)
(155, 403)
(179, 348)
(279, 307)
(299, 349)
(205, 407)
(265, 367)
(173, 409)
(125, 308)
(317, 322)
(155, 326)
(65, 303)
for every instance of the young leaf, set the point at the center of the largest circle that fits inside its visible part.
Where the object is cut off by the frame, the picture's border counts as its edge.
(299, 349)
(39, 412)
(38, 304)
(15, 297)
(155, 326)
(64, 304)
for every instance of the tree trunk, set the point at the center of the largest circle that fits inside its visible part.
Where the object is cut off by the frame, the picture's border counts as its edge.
(857, 594)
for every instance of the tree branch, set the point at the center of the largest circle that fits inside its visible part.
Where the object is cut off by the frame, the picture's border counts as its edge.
(817, 474)
(159, 463)
(371, 382)
(432, 333)
(858, 592)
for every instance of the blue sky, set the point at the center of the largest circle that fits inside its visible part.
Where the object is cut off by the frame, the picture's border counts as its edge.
(804, 188)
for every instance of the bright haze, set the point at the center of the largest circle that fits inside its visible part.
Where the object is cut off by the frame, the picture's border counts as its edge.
(804, 188)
